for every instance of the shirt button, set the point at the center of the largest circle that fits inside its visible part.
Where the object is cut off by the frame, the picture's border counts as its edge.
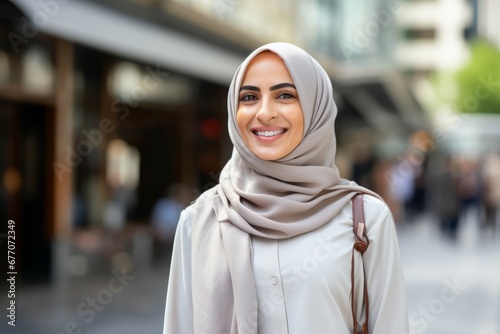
(274, 280)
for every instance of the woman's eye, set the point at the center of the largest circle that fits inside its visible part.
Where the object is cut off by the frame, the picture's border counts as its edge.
(286, 96)
(248, 97)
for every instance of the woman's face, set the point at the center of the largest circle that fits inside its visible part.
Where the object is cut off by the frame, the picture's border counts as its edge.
(269, 115)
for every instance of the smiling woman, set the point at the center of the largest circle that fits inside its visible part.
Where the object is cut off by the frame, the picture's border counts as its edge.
(269, 116)
(268, 250)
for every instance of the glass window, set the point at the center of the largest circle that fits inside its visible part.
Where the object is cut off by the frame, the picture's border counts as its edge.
(146, 3)
(419, 34)
(129, 82)
(37, 68)
(5, 59)
(122, 165)
(4, 67)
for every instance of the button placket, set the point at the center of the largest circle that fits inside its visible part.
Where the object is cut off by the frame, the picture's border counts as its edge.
(271, 307)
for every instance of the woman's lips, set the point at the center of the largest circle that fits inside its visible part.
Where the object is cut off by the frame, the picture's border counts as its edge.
(268, 135)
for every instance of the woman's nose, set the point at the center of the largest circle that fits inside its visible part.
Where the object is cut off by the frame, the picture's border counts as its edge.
(266, 112)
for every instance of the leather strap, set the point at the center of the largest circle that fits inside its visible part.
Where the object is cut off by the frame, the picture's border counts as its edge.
(361, 243)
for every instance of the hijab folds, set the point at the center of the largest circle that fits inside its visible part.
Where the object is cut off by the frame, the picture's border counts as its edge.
(272, 199)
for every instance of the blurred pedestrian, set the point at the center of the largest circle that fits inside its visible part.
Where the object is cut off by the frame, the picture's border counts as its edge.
(385, 182)
(491, 191)
(445, 200)
(468, 188)
(165, 216)
(268, 250)
(167, 211)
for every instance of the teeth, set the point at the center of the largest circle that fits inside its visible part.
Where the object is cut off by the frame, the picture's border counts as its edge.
(269, 133)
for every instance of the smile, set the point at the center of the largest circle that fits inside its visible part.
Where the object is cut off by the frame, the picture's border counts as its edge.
(269, 133)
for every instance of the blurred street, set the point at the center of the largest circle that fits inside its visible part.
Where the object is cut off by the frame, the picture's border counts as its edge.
(453, 287)
(108, 130)
(86, 305)
(90, 306)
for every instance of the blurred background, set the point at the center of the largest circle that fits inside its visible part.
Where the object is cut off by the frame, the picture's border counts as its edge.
(113, 118)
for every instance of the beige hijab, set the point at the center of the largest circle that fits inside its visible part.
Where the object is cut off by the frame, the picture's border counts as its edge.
(271, 199)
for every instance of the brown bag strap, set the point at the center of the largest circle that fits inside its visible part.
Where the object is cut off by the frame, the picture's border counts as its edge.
(361, 243)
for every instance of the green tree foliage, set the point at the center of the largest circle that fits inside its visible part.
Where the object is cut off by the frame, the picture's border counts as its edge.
(478, 82)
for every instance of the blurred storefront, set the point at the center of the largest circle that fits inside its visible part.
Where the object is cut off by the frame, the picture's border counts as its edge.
(105, 104)
(93, 132)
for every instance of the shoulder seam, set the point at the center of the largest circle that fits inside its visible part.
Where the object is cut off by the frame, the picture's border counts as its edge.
(377, 220)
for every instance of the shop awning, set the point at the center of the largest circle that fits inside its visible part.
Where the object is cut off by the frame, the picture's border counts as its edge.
(382, 98)
(110, 31)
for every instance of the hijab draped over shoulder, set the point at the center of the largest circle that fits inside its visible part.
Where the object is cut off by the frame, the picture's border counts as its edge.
(272, 199)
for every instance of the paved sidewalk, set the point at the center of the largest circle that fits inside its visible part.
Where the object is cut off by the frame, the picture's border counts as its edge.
(452, 287)
(131, 303)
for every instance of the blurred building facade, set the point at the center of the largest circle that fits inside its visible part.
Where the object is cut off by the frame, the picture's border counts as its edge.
(434, 45)
(104, 104)
(431, 38)
(487, 26)
(478, 136)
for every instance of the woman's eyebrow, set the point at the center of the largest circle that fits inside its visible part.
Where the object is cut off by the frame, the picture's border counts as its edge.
(278, 86)
(282, 85)
(257, 89)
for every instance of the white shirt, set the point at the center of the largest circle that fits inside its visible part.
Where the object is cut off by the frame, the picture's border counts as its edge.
(304, 283)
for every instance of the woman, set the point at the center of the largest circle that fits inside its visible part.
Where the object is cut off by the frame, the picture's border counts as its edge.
(268, 250)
